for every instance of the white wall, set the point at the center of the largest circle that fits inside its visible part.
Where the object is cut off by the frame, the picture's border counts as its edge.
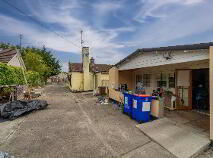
(150, 59)
(14, 61)
(17, 61)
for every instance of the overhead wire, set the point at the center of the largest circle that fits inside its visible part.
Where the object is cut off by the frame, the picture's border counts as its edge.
(42, 25)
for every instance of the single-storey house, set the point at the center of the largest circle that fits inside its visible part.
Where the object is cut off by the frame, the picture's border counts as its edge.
(11, 56)
(183, 70)
(87, 76)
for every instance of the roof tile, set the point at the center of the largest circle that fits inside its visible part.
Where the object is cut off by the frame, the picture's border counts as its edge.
(78, 67)
(7, 54)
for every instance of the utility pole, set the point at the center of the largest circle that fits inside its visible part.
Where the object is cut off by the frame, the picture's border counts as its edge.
(82, 38)
(20, 38)
(82, 46)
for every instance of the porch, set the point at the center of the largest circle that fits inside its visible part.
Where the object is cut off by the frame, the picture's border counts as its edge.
(185, 75)
(198, 121)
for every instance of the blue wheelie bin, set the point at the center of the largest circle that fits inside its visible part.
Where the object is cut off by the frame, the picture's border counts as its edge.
(134, 107)
(128, 104)
(141, 108)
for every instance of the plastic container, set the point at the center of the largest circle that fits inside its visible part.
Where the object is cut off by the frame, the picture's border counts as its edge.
(141, 108)
(128, 104)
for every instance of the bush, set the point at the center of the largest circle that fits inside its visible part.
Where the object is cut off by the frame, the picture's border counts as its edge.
(33, 78)
(10, 75)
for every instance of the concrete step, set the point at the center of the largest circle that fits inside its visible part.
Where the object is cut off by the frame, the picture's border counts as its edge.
(181, 141)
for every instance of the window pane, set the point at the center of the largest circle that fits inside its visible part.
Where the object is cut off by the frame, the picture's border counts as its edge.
(147, 80)
(171, 81)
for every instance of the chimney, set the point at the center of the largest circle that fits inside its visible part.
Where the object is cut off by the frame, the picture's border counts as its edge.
(92, 63)
(85, 52)
(92, 60)
(85, 58)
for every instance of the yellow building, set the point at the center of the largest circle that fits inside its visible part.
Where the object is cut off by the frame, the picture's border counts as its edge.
(88, 76)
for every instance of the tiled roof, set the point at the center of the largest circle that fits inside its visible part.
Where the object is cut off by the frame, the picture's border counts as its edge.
(78, 67)
(169, 48)
(7, 54)
(102, 67)
(75, 67)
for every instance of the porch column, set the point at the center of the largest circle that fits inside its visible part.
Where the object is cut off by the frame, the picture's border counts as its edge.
(211, 90)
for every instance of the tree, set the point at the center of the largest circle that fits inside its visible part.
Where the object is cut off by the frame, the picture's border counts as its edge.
(6, 45)
(50, 61)
(34, 62)
(38, 60)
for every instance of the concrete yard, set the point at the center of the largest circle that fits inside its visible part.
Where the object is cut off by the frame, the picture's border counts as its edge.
(74, 125)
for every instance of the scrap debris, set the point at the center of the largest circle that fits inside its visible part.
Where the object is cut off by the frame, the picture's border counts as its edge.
(103, 100)
(14, 109)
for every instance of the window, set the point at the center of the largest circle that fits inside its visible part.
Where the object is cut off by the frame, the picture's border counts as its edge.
(161, 80)
(172, 80)
(146, 80)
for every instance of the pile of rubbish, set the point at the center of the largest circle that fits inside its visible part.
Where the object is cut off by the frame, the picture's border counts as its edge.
(5, 155)
(14, 109)
(103, 100)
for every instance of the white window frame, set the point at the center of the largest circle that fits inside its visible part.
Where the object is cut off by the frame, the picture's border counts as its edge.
(142, 79)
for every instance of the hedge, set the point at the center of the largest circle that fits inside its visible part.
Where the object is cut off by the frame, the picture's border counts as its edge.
(10, 75)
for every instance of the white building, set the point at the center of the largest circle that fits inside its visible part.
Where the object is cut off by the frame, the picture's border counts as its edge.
(11, 56)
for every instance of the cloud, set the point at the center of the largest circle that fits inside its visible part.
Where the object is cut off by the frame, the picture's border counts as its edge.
(110, 29)
(160, 8)
(100, 40)
(104, 8)
(184, 19)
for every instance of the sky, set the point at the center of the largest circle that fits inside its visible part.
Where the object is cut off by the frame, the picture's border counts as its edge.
(111, 28)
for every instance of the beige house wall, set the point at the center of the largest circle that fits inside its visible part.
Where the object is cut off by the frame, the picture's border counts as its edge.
(211, 90)
(77, 81)
(114, 84)
(126, 77)
(113, 78)
(86, 80)
(104, 80)
(97, 80)
(101, 80)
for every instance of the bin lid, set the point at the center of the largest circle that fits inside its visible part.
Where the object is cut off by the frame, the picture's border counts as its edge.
(143, 95)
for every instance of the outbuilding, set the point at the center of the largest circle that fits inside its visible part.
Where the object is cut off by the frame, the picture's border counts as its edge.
(88, 75)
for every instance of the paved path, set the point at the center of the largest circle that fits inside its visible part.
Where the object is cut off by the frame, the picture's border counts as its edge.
(74, 126)
(181, 140)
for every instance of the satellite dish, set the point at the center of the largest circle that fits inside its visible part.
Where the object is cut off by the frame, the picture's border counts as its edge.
(167, 55)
